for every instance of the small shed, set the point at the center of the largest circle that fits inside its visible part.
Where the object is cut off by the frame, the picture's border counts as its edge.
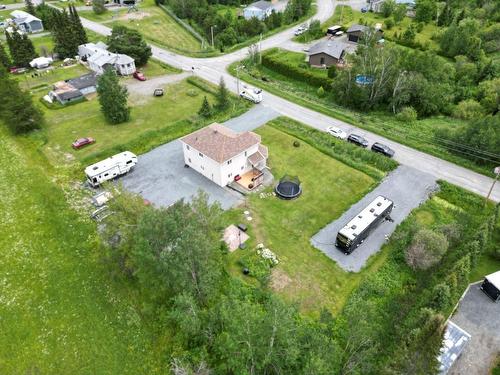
(87, 83)
(356, 32)
(491, 286)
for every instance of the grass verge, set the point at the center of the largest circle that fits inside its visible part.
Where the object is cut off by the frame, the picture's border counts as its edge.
(419, 135)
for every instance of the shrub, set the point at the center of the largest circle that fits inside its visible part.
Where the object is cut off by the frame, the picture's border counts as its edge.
(332, 71)
(468, 110)
(407, 114)
(426, 249)
(273, 61)
(441, 296)
(389, 23)
(321, 92)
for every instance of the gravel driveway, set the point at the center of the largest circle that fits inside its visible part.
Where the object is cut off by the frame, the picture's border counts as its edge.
(480, 317)
(146, 88)
(406, 187)
(161, 178)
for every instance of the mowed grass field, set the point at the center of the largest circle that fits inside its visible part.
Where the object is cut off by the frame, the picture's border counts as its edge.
(304, 275)
(180, 102)
(60, 313)
(153, 23)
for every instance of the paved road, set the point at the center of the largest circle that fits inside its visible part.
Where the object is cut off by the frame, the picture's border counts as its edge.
(161, 178)
(212, 69)
(396, 186)
(480, 317)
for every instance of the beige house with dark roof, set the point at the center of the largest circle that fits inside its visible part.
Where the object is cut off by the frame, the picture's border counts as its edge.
(223, 156)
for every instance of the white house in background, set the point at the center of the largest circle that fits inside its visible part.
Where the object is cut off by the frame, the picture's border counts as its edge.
(26, 22)
(223, 156)
(260, 9)
(99, 59)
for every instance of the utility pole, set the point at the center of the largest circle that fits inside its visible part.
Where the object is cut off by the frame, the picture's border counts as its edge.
(212, 32)
(497, 173)
(238, 77)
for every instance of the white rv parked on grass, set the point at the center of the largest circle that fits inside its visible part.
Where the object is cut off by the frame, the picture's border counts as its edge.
(110, 168)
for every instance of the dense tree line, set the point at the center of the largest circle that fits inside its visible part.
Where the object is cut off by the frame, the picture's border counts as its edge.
(217, 322)
(230, 30)
(21, 48)
(66, 29)
(17, 110)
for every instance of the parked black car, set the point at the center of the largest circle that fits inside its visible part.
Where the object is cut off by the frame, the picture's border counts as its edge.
(358, 140)
(383, 149)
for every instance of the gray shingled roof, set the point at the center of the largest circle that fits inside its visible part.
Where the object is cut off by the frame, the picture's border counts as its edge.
(262, 5)
(82, 82)
(331, 48)
(355, 28)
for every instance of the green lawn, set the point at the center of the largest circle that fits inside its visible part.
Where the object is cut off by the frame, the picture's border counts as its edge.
(46, 78)
(304, 274)
(153, 121)
(60, 311)
(153, 23)
(419, 135)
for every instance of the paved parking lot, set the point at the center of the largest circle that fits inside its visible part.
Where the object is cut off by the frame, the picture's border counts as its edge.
(406, 187)
(480, 317)
(161, 178)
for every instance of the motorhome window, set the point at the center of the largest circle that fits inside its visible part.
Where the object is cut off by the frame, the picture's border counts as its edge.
(106, 174)
(129, 162)
(379, 204)
(94, 179)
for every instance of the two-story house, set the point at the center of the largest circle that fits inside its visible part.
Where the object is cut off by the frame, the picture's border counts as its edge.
(223, 155)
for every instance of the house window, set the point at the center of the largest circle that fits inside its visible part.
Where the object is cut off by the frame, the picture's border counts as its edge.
(200, 154)
(322, 61)
(245, 153)
(242, 167)
(187, 146)
(189, 160)
(202, 167)
(229, 175)
(229, 161)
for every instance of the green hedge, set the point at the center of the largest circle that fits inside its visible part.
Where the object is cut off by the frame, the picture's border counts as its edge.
(371, 163)
(272, 60)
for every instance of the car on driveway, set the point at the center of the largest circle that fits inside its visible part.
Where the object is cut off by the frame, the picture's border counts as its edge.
(357, 140)
(139, 75)
(336, 132)
(383, 149)
(81, 142)
(2, 6)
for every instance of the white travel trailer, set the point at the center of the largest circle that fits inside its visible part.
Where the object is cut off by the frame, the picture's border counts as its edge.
(110, 168)
(252, 94)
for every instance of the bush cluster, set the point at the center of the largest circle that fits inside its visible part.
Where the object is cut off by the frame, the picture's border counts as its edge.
(273, 61)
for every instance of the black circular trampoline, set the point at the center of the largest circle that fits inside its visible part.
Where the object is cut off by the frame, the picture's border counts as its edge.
(288, 187)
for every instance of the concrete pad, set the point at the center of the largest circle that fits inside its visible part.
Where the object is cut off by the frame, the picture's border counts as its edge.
(480, 317)
(406, 187)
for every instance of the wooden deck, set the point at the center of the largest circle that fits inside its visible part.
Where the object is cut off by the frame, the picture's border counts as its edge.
(250, 178)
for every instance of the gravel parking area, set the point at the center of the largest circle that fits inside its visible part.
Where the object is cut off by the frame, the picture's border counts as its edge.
(480, 317)
(406, 187)
(161, 178)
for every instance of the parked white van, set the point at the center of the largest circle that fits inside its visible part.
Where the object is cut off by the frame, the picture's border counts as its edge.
(110, 168)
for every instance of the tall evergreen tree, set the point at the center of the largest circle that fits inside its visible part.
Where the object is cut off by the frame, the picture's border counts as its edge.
(30, 8)
(21, 48)
(65, 39)
(129, 42)
(17, 110)
(4, 58)
(205, 109)
(76, 26)
(222, 96)
(113, 98)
